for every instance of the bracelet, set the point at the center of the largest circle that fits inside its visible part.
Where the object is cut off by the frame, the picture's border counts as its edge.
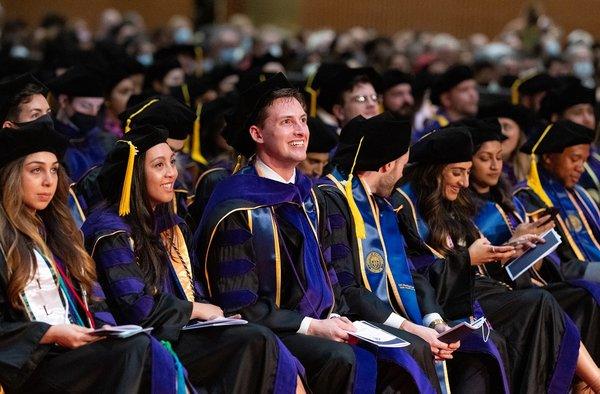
(436, 322)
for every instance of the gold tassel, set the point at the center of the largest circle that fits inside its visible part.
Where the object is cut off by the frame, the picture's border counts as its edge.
(127, 128)
(238, 164)
(313, 101)
(196, 152)
(359, 223)
(533, 178)
(514, 91)
(185, 91)
(199, 58)
(125, 203)
(313, 95)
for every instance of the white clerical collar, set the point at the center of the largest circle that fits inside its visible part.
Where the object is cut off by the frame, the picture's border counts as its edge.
(266, 172)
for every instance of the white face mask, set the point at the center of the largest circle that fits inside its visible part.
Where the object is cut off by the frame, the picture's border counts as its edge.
(583, 69)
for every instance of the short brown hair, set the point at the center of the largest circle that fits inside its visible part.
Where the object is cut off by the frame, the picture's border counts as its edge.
(291, 93)
(24, 96)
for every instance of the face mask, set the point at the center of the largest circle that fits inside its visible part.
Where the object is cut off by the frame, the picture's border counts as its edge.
(583, 70)
(84, 122)
(145, 59)
(183, 35)
(275, 50)
(44, 119)
(231, 55)
(552, 47)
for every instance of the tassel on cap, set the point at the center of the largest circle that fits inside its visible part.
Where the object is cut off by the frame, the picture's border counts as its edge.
(359, 223)
(533, 178)
(196, 152)
(199, 53)
(125, 202)
(185, 92)
(238, 164)
(313, 95)
(127, 127)
(514, 91)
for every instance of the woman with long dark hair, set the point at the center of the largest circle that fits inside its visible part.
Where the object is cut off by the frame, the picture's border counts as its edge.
(500, 216)
(144, 267)
(543, 343)
(49, 302)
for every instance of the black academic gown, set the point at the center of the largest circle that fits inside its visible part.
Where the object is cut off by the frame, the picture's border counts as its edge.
(232, 252)
(542, 341)
(235, 359)
(571, 266)
(469, 371)
(106, 366)
(578, 298)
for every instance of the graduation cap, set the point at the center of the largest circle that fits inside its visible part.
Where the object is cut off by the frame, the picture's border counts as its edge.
(443, 146)
(530, 85)
(236, 131)
(518, 113)
(321, 140)
(79, 81)
(344, 80)
(393, 78)
(166, 111)
(367, 145)
(12, 87)
(448, 80)
(31, 138)
(481, 130)
(555, 138)
(382, 138)
(161, 68)
(559, 100)
(117, 172)
(313, 86)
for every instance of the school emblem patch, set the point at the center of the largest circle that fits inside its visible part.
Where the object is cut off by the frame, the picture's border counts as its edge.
(375, 262)
(574, 223)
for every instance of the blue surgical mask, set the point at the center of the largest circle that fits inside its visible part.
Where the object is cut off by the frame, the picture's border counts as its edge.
(231, 55)
(583, 70)
(183, 35)
(275, 50)
(145, 59)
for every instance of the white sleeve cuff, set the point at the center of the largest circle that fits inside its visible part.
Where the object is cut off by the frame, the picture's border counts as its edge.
(428, 318)
(394, 320)
(304, 326)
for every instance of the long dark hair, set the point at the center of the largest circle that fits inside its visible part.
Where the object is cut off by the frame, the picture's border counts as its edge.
(51, 230)
(148, 248)
(500, 193)
(444, 218)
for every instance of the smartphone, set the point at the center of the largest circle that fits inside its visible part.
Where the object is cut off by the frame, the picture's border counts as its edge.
(552, 211)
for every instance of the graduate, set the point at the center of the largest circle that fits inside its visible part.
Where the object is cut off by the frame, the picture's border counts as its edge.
(455, 93)
(499, 216)
(80, 96)
(377, 278)
(143, 265)
(577, 103)
(530, 320)
(558, 154)
(49, 300)
(23, 100)
(258, 245)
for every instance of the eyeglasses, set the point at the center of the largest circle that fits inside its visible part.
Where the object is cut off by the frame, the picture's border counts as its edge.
(364, 98)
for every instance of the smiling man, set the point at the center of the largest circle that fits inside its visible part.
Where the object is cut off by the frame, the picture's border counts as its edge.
(563, 148)
(258, 248)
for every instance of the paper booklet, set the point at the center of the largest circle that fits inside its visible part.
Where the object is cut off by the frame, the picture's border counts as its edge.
(125, 331)
(367, 332)
(217, 322)
(461, 330)
(522, 263)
